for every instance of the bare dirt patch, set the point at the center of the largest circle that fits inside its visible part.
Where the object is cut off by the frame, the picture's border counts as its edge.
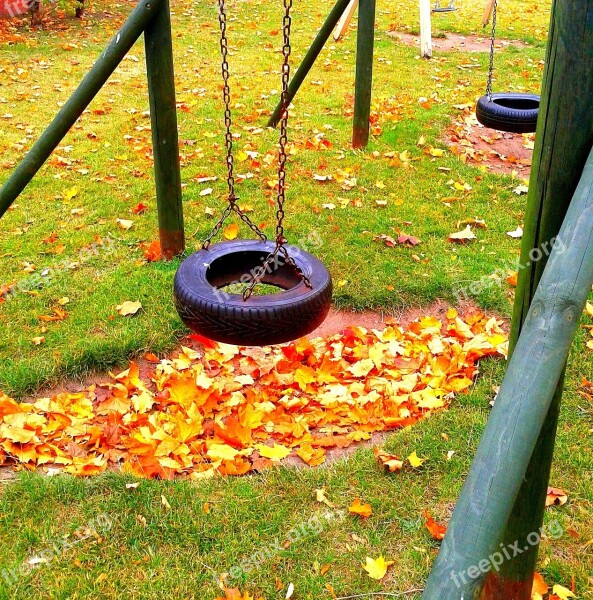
(499, 152)
(454, 41)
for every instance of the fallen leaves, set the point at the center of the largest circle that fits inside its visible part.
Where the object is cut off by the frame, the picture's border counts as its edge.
(128, 308)
(377, 567)
(436, 531)
(556, 497)
(362, 510)
(231, 232)
(463, 236)
(229, 410)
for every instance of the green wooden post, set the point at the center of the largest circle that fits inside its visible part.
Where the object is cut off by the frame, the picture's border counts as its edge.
(311, 56)
(564, 138)
(364, 73)
(78, 102)
(472, 546)
(165, 137)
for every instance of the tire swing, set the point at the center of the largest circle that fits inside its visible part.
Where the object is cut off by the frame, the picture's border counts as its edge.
(506, 111)
(305, 283)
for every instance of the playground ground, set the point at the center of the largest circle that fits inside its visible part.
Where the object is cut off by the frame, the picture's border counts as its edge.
(90, 216)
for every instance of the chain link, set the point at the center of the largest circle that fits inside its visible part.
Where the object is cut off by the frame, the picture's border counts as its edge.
(492, 43)
(282, 158)
(228, 121)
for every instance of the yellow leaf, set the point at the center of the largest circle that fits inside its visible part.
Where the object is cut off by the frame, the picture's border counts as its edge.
(128, 308)
(562, 592)
(101, 578)
(165, 502)
(377, 567)
(437, 152)
(415, 460)
(321, 497)
(363, 510)
(275, 453)
(37, 341)
(231, 232)
(70, 193)
(589, 309)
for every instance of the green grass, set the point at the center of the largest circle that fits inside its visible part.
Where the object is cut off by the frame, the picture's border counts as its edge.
(155, 552)
(105, 160)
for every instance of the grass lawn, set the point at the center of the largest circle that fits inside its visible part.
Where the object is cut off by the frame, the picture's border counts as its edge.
(103, 170)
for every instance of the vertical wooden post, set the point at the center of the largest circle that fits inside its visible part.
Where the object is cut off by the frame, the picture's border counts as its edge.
(564, 139)
(364, 73)
(165, 137)
(425, 29)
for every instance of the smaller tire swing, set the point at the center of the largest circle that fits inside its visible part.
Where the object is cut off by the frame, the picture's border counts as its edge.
(507, 111)
(306, 286)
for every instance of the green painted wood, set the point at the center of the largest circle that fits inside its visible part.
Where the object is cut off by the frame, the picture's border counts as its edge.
(165, 137)
(364, 73)
(78, 102)
(472, 544)
(563, 141)
(311, 56)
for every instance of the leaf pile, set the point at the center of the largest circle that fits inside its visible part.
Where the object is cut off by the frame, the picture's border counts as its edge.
(230, 410)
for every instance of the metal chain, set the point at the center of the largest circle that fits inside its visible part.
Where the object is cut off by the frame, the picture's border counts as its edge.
(492, 42)
(228, 121)
(282, 158)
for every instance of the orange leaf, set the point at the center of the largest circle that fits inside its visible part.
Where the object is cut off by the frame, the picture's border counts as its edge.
(362, 510)
(436, 531)
(231, 232)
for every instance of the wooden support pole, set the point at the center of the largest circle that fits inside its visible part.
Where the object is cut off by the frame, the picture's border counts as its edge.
(471, 548)
(563, 141)
(345, 20)
(310, 58)
(364, 73)
(165, 137)
(425, 29)
(78, 102)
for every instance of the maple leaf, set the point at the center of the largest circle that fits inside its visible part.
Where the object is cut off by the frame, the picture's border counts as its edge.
(436, 531)
(377, 567)
(389, 461)
(415, 461)
(231, 232)
(128, 308)
(462, 236)
(362, 510)
(556, 497)
(152, 252)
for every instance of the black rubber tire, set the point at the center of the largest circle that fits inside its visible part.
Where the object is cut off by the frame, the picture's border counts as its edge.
(261, 320)
(515, 113)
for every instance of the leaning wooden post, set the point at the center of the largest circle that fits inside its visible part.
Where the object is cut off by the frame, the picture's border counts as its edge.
(563, 141)
(425, 29)
(364, 73)
(472, 546)
(165, 137)
(310, 58)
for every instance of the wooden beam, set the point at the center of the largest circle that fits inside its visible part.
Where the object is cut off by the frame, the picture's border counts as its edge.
(471, 548)
(310, 58)
(165, 138)
(364, 73)
(564, 138)
(345, 20)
